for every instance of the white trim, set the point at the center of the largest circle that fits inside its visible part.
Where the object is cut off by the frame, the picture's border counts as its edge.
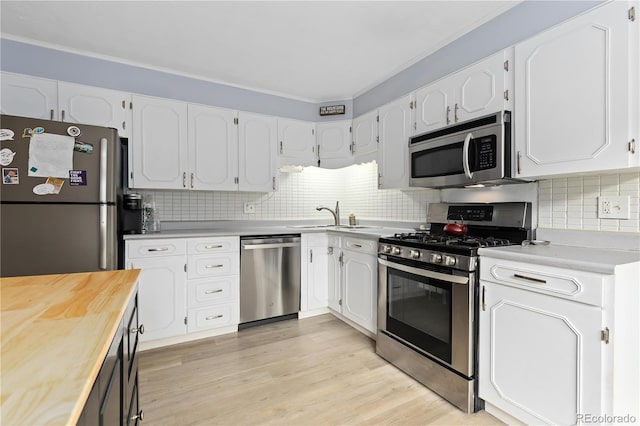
(313, 312)
(153, 344)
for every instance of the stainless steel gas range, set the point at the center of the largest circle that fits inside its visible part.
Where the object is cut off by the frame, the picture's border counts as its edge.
(428, 294)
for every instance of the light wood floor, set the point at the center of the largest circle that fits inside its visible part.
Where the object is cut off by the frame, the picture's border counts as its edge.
(314, 371)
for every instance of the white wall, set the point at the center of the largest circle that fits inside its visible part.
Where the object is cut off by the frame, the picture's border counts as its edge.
(563, 203)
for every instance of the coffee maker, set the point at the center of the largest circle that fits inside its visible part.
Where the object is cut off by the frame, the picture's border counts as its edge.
(132, 214)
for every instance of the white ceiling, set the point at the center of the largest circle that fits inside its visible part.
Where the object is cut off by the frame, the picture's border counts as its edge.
(311, 50)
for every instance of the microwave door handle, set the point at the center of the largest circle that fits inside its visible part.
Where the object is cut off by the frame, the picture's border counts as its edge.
(465, 156)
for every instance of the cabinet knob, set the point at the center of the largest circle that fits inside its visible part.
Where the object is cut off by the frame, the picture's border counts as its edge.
(139, 416)
(140, 329)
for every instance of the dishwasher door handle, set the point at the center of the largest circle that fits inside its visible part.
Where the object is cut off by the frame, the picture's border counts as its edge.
(268, 246)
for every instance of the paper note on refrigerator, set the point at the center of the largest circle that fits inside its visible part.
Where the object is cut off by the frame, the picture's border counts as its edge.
(50, 155)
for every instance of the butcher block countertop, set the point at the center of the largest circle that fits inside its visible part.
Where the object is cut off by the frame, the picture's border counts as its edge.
(56, 331)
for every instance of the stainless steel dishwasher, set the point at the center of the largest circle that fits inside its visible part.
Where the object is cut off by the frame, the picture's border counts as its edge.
(269, 277)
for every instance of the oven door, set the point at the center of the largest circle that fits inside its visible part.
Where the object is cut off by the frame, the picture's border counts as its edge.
(429, 309)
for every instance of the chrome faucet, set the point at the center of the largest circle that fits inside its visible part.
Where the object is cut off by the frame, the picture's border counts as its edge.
(335, 213)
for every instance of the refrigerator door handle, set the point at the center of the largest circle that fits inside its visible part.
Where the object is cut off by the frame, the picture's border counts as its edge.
(102, 261)
(103, 170)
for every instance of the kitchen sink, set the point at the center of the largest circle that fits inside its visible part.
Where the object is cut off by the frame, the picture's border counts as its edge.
(344, 227)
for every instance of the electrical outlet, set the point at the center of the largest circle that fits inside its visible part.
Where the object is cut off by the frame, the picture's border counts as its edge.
(249, 208)
(613, 207)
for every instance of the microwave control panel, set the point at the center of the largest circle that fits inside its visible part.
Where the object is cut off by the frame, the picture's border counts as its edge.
(485, 152)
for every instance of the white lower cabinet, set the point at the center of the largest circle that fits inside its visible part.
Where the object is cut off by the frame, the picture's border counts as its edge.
(314, 272)
(355, 282)
(334, 258)
(548, 342)
(162, 295)
(359, 288)
(186, 286)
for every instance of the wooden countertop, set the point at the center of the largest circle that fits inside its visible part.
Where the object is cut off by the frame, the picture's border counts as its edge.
(55, 333)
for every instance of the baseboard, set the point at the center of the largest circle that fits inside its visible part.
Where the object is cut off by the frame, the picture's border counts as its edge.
(314, 312)
(502, 415)
(152, 344)
(358, 327)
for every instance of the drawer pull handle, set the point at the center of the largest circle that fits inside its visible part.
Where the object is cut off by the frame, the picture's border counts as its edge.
(213, 266)
(212, 317)
(535, 280)
(159, 249)
(140, 329)
(358, 245)
(213, 291)
(208, 247)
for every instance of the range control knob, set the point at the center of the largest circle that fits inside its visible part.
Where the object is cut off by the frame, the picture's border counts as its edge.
(386, 249)
(415, 254)
(435, 258)
(449, 260)
(396, 251)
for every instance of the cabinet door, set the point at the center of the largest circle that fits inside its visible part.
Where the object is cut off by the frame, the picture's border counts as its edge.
(159, 143)
(257, 164)
(27, 96)
(213, 148)
(334, 143)
(296, 143)
(162, 296)
(365, 137)
(529, 341)
(393, 152)
(360, 292)
(315, 273)
(433, 107)
(572, 95)
(95, 106)
(480, 88)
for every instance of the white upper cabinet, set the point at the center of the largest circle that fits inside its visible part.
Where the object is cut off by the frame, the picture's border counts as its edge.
(296, 143)
(479, 89)
(27, 96)
(95, 106)
(365, 137)
(213, 148)
(575, 98)
(334, 144)
(393, 151)
(257, 136)
(159, 143)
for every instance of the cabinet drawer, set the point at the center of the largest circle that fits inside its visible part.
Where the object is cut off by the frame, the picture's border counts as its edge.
(585, 287)
(315, 240)
(210, 291)
(155, 247)
(203, 265)
(360, 245)
(213, 317)
(213, 245)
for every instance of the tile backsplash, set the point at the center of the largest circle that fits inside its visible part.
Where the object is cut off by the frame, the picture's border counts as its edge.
(562, 203)
(572, 203)
(297, 197)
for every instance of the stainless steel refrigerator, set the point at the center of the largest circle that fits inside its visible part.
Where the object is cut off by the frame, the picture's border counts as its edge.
(48, 228)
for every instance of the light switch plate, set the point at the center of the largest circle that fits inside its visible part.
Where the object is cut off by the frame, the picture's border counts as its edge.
(249, 208)
(614, 207)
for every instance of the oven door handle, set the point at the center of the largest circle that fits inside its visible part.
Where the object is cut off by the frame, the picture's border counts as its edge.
(465, 156)
(424, 272)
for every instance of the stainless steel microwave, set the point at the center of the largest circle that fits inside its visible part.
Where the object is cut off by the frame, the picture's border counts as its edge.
(474, 152)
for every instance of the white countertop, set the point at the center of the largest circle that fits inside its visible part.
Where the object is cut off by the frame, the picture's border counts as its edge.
(602, 261)
(371, 232)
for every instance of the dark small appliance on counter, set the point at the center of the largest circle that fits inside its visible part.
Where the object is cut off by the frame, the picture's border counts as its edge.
(132, 214)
